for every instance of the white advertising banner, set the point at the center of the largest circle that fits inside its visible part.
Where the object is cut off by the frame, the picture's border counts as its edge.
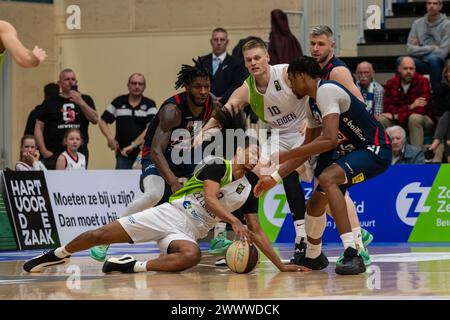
(87, 200)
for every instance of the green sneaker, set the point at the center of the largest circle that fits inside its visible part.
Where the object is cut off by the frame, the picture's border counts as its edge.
(99, 252)
(219, 245)
(367, 237)
(364, 254)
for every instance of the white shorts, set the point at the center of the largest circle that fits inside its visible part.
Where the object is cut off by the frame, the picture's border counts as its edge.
(163, 224)
(280, 142)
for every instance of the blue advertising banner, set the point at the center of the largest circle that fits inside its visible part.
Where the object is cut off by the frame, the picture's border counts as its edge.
(388, 206)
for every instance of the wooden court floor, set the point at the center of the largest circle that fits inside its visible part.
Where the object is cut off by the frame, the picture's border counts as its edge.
(398, 271)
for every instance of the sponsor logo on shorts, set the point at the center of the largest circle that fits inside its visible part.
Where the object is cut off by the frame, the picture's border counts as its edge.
(240, 188)
(359, 178)
(131, 220)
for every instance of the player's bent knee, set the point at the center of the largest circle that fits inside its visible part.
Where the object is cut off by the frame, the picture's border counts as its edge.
(326, 180)
(192, 258)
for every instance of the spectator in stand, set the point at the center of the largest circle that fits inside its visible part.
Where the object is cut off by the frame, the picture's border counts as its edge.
(228, 72)
(71, 159)
(283, 45)
(51, 90)
(402, 152)
(132, 113)
(70, 109)
(429, 41)
(407, 102)
(29, 155)
(441, 109)
(371, 90)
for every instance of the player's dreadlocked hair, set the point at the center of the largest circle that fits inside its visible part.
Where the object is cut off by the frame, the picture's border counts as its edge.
(234, 121)
(229, 119)
(187, 73)
(305, 65)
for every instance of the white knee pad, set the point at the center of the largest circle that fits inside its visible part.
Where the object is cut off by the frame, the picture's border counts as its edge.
(315, 226)
(153, 189)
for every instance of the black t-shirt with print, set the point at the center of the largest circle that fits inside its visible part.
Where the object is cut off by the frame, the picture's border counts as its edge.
(60, 114)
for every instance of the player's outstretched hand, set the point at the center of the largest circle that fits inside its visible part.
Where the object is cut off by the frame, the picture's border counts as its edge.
(265, 183)
(294, 268)
(40, 54)
(241, 231)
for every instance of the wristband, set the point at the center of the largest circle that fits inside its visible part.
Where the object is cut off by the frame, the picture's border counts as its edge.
(276, 176)
(134, 145)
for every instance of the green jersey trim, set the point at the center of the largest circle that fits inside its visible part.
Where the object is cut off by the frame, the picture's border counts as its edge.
(256, 99)
(195, 185)
(2, 56)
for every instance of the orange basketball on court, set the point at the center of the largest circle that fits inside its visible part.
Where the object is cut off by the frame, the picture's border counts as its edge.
(242, 257)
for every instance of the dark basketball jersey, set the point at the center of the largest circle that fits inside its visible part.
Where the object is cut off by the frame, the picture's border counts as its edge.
(357, 128)
(330, 65)
(188, 122)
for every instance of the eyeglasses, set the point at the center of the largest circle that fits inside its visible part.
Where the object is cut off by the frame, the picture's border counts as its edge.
(134, 83)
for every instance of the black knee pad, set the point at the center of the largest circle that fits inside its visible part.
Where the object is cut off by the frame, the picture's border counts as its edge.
(295, 195)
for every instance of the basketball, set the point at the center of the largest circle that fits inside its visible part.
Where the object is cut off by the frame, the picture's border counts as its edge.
(241, 257)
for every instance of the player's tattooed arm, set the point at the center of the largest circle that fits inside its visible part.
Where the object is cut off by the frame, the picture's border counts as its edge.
(169, 118)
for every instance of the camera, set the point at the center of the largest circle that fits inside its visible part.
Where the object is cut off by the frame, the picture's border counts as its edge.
(74, 87)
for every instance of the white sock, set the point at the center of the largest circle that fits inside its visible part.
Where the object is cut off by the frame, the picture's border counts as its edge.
(348, 240)
(61, 252)
(299, 230)
(313, 250)
(220, 228)
(140, 266)
(358, 238)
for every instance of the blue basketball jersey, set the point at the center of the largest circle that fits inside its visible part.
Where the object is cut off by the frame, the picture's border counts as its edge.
(357, 128)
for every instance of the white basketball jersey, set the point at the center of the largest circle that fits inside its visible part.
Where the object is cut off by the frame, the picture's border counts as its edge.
(278, 106)
(75, 164)
(191, 200)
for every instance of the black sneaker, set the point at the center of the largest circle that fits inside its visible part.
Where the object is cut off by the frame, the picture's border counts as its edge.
(45, 260)
(319, 263)
(124, 264)
(351, 264)
(299, 253)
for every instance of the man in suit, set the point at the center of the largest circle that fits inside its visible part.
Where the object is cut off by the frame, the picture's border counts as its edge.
(228, 72)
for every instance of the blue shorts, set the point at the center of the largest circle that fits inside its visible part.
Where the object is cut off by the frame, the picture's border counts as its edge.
(359, 165)
(149, 168)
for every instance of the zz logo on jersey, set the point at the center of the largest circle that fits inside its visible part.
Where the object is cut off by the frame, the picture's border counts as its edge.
(411, 202)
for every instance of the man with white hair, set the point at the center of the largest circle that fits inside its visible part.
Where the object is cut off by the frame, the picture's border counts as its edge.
(402, 152)
(371, 90)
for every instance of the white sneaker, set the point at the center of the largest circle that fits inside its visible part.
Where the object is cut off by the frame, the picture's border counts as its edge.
(221, 263)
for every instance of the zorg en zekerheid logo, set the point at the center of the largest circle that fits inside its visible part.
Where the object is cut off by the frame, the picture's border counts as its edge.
(411, 202)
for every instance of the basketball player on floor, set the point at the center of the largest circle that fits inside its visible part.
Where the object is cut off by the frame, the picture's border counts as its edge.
(268, 93)
(10, 42)
(321, 48)
(159, 177)
(368, 153)
(217, 188)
